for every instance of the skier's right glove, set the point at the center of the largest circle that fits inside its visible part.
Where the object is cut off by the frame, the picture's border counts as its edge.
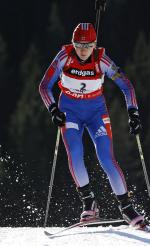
(58, 117)
(134, 121)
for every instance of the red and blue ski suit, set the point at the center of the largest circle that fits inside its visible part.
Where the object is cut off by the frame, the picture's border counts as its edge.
(83, 102)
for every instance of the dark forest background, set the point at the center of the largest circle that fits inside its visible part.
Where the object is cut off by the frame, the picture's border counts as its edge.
(31, 34)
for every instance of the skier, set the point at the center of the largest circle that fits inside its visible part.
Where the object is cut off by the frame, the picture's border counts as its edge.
(81, 67)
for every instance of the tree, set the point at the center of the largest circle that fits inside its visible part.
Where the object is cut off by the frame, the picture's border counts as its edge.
(138, 70)
(3, 56)
(3, 84)
(29, 124)
(55, 32)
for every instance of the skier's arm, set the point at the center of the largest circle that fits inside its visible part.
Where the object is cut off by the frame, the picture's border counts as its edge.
(45, 88)
(50, 78)
(113, 72)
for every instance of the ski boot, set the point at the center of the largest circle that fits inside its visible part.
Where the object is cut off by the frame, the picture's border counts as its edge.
(90, 207)
(129, 214)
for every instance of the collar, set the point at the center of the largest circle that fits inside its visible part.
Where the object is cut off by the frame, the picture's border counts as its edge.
(84, 62)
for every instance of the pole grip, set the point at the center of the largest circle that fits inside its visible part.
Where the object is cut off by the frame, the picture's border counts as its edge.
(100, 5)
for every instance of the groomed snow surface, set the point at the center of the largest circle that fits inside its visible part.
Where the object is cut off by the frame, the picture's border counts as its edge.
(85, 236)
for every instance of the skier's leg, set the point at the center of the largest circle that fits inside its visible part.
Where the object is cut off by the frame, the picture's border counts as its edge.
(72, 137)
(128, 211)
(90, 205)
(100, 131)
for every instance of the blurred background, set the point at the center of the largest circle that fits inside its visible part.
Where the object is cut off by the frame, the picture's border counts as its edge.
(31, 34)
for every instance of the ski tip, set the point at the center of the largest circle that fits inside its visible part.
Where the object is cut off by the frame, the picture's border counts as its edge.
(47, 233)
(145, 228)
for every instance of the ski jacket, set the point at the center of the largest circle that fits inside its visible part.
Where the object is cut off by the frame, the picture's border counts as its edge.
(83, 80)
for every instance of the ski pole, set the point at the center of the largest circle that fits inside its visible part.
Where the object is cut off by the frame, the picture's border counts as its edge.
(52, 177)
(143, 163)
(100, 5)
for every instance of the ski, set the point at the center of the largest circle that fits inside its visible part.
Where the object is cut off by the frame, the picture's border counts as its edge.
(144, 227)
(84, 223)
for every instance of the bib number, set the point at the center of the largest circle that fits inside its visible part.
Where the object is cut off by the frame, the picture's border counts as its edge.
(83, 86)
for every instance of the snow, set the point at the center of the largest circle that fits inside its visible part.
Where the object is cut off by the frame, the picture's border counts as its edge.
(87, 236)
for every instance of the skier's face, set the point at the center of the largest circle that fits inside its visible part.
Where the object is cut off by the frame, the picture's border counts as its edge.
(84, 50)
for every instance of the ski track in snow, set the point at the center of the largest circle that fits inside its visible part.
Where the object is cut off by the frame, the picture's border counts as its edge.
(87, 236)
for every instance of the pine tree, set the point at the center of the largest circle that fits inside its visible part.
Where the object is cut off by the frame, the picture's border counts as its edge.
(3, 57)
(139, 68)
(30, 124)
(55, 31)
(3, 81)
(139, 72)
(3, 96)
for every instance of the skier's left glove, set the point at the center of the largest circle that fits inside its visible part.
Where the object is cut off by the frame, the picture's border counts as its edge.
(58, 117)
(134, 121)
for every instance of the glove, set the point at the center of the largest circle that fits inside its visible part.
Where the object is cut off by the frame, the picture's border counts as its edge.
(58, 117)
(134, 121)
